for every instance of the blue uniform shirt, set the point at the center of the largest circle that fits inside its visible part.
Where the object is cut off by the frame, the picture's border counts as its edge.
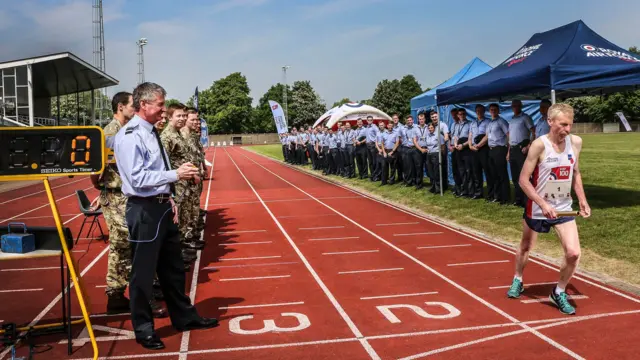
(389, 139)
(350, 136)
(361, 132)
(420, 134)
(461, 130)
(342, 139)
(406, 136)
(519, 129)
(432, 142)
(478, 128)
(312, 139)
(497, 130)
(372, 133)
(332, 141)
(542, 127)
(139, 160)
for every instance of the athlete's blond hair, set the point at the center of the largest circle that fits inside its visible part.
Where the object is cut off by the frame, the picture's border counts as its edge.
(558, 109)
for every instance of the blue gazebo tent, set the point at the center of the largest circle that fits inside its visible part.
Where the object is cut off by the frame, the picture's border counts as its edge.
(571, 60)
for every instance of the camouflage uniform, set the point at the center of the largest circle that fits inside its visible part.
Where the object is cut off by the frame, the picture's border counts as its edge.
(178, 152)
(113, 207)
(201, 212)
(195, 157)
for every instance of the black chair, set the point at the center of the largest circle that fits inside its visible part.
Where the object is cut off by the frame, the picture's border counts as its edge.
(85, 206)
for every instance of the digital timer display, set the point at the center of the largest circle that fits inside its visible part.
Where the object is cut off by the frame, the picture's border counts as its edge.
(56, 150)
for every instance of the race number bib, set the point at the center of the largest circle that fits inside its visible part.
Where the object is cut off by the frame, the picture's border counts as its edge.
(557, 190)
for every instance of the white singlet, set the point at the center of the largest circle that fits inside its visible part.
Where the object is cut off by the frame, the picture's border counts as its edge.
(552, 179)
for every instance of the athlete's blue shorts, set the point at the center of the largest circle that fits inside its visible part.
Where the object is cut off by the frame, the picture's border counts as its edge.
(544, 225)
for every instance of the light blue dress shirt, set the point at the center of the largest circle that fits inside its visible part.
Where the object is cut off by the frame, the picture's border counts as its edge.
(372, 133)
(139, 161)
(406, 136)
(478, 127)
(542, 127)
(420, 134)
(497, 130)
(520, 129)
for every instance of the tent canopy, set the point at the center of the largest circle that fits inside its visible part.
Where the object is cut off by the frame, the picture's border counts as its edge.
(572, 60)
(350, 112)
(427, 100)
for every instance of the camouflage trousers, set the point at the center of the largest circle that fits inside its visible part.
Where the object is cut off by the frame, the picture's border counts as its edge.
(198, 214)
(184, 200)
(119, 262)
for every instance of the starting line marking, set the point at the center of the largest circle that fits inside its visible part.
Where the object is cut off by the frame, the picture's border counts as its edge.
(20, 290)
(527, 285)
(570, 297)
(252, 258)
(479, 263)
(238, 232)
(420, 233)
(257, 278)
(247, 243)
(366, 271)
(336, 238)
(443, 246)
(259, 306)
(299, 216)
(322, 227)
(393, 224)
(252, 265)
(350, 252)
(398, 295)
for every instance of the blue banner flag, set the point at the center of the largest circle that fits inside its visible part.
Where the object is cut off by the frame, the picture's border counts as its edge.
(204, 133)
(195, 101)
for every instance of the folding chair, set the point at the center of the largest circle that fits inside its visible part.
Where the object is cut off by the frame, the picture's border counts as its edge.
(85, 206)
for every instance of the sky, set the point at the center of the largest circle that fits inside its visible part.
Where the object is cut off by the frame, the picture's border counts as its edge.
(344, 47)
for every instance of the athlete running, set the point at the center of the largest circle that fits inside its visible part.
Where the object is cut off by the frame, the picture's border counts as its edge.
(553, 162)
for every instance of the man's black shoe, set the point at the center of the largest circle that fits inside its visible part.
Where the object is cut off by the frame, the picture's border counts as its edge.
(117, 304)
(202, 323)
(151, 342)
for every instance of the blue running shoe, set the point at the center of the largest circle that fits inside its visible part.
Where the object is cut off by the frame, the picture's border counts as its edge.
(516, 289)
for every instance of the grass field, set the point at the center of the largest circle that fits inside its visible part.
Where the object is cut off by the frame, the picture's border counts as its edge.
(610, 238)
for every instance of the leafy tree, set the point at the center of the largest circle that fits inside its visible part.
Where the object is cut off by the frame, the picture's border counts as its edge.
(226, 105)
(341, 102)
(388, 96)
(69, 108)
(169, 102)
(305, 106)
(410, 88)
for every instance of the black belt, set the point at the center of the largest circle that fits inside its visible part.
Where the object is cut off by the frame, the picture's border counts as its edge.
(497, 146)
(160, 198)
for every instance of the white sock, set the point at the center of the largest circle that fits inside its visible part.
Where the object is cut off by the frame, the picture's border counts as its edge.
(559, 290)
(518, 277)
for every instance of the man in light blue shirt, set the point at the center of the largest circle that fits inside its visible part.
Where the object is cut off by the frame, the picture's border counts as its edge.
(521, 133)
(542, 126)
(147, 182)
(480, 153)
(406, 152)
(388, 142)
(497, 133)
(464, 155)
(372, 152)
(361, 150)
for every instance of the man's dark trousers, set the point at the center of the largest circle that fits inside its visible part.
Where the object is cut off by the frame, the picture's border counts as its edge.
(155, 249)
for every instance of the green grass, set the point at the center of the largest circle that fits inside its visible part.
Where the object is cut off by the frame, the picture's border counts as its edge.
(610, 238)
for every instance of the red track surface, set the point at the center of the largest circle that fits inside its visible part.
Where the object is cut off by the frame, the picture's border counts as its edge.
(289, 271)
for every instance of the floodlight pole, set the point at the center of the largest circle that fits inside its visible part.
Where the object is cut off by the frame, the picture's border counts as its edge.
(553, 97)
(30, 93)
(141, 43)
(284, 92)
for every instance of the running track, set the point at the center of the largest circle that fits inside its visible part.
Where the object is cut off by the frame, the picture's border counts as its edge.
(299, 268)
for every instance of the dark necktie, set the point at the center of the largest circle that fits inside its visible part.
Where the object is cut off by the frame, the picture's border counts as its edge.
(164, 158)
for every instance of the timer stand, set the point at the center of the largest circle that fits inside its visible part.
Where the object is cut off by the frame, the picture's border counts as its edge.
(36, 153)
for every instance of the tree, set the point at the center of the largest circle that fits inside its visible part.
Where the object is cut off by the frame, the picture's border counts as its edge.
(410, 88)
(305, 106)
(226, 105)
(170, 102)
(341, 102)
(70, 108)
(262, 116)
(388, 97)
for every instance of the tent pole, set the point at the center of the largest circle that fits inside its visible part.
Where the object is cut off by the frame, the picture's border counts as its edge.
(553, 97)
(439, 151)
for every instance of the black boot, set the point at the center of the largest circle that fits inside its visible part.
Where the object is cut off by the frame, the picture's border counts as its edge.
(117, 304)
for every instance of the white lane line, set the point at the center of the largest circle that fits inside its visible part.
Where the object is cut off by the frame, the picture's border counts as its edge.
(352, 326)
(246, 243)
(44, 217)
(582, 277)
(184, 342)
(300, 216)
(252, 265)
(239, 232)
(541, 300)
(337, 197)
(41, 191)
(257, 278)
(443, 246)
(335, 238)
(260, 305)
(20, 290)
(420, 233)
(451, 282)
(368, 271)
(32, 269)
(101, 286)
(526, 285)
(322, 227)
(480, 263)
(42, 206)
(350, 252)
(252, 258)
(397, 295)
(394, 224)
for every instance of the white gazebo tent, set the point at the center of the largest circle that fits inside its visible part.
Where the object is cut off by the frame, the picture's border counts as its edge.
(351, 112)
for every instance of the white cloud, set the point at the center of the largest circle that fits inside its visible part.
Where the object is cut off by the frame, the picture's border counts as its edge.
(231, 4)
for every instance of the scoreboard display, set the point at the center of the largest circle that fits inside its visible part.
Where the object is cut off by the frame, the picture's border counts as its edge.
(51, 151)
